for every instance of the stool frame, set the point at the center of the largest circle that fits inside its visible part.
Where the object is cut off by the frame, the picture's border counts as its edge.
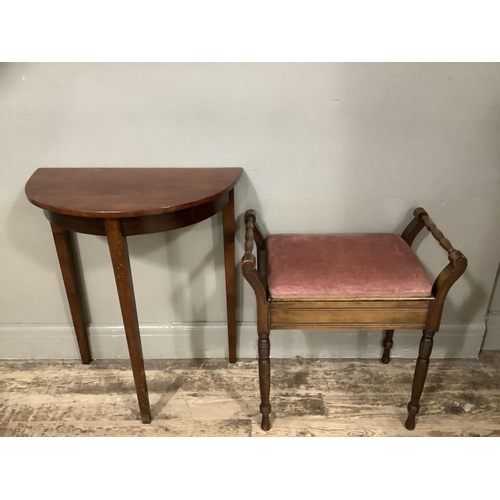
(422, 313)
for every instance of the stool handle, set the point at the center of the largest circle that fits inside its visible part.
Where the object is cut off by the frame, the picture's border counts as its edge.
(253, 232)
(429, 224)
(449, 275)
(421, 220)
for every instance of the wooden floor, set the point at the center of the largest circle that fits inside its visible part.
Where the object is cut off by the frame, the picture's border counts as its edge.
(212, 398)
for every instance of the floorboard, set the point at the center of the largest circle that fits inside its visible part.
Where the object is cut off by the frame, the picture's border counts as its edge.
(212, 398)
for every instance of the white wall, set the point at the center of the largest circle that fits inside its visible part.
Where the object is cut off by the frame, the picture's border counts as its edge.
(325, 147)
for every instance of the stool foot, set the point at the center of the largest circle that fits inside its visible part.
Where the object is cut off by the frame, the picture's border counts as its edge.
(386, 356)
(266, 423)
(410, 421)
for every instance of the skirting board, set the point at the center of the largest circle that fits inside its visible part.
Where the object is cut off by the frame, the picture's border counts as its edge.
(492, 340)
(209, 340)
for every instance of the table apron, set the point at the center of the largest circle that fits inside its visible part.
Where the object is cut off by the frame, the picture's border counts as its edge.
(140, 225)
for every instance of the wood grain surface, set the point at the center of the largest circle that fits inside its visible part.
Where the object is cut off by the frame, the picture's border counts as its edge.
(211, 398)
(127, 192)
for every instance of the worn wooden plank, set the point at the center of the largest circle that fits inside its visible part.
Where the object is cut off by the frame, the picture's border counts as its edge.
(172, 428)
(211, 398)
(382, 426)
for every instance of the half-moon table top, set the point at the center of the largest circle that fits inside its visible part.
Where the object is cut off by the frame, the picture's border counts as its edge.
(127, 192)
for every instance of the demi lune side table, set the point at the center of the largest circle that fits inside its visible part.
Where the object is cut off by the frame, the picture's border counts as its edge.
(121, 202)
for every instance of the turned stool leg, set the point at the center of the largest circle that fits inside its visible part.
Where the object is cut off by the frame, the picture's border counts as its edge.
(421, 368)
(264, 378)
(386, 356)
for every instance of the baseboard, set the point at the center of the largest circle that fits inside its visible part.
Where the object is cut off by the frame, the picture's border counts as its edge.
(492, 340)
(209, 340)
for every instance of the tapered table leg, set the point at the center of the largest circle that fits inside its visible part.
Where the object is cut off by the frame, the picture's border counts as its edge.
(67, 255)
(229, 261)
(123, 276)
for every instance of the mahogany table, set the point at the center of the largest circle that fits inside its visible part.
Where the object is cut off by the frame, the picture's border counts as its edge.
(121, 202)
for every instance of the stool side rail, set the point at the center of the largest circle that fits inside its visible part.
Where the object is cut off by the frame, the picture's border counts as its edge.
(252, 268)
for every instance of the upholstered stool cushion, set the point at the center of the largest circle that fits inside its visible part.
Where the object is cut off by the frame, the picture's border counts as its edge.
(337, 266)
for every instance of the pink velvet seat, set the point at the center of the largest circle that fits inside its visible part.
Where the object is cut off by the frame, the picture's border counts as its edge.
(337, 266)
